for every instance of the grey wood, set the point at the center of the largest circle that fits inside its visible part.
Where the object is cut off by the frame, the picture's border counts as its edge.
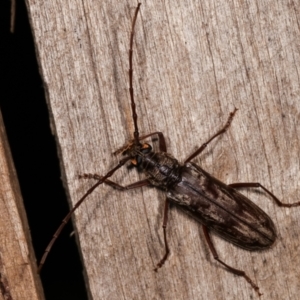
(18, 272)
(194, 61)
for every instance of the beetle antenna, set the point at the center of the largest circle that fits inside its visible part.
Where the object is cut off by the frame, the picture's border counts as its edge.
(68, 216)
(134, 115)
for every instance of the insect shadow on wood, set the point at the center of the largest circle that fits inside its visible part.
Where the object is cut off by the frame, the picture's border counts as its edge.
(215, 205)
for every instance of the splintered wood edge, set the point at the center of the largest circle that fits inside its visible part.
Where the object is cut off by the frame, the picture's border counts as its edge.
(18, 273)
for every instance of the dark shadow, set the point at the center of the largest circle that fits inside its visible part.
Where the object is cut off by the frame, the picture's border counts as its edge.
(34, 153)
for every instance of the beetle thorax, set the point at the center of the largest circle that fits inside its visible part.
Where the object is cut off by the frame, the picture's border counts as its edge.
(161, 168)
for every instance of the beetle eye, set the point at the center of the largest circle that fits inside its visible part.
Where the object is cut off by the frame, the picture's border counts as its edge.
(134, 162)
(146, 148)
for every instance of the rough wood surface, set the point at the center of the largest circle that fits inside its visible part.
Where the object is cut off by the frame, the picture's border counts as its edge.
(18, 276)
(194, 61)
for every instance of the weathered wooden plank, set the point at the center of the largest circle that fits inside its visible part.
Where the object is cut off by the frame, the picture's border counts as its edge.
(18, 277)
(193, 62)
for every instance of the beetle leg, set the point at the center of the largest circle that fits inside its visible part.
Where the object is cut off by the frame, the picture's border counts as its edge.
(161, 139)
(221, 131)
(77, 204)
(134, 185)
(167, 249)
(231, 269)
(115, 185)
(258, 185)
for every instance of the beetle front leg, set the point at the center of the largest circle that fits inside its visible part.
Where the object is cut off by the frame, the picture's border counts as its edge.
(258, 185)
(231, 269)
(161, 140)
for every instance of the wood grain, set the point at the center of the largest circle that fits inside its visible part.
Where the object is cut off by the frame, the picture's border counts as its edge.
(194, 62)
(18, 272)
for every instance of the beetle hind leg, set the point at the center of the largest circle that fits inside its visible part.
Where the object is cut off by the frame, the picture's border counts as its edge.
(258, 185)
(229, 268)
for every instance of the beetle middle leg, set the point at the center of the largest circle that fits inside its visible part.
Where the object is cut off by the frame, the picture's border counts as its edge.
(221, 131)
(167, 249)
(231, 269)
(134, 185)
(258, 185)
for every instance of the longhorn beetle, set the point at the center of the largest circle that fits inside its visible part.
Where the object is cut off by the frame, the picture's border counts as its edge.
(214, 204)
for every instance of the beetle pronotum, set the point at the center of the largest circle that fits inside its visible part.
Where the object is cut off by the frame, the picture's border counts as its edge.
(214, 204)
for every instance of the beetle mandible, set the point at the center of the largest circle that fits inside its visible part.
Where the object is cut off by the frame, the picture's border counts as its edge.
(215, 205)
